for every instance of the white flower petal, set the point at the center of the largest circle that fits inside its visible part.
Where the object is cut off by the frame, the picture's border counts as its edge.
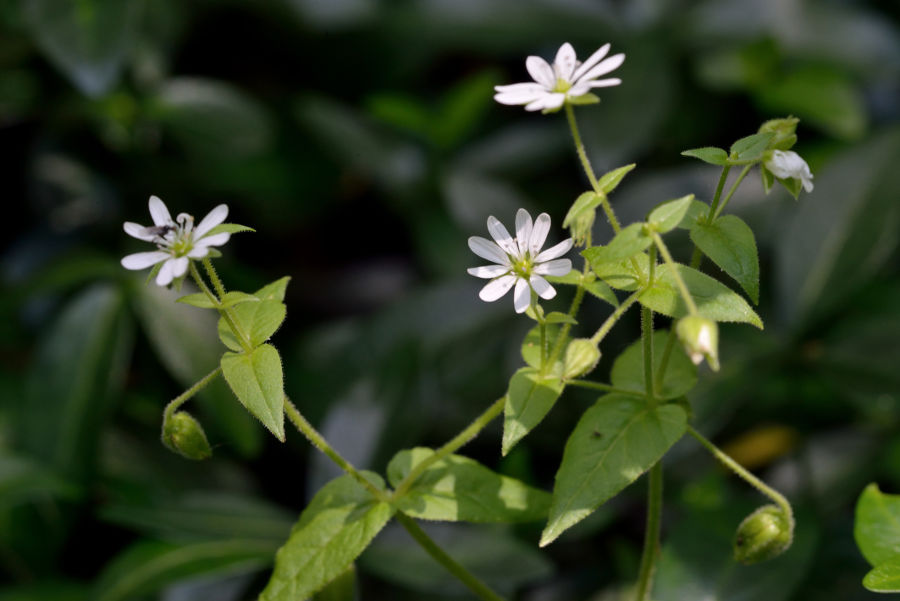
(496, 288)
(212, 219)
(523, 230)
(136, 230)
(501, 236)
(521, 296)
(159, 213)
(214, 240)
(807, 183)
(549, 101)
(486, 249)
(590, 62)
(198, 252)
(554, 251)
(564, 63)
(579, 89)
(166, 274)
(488, 271)
(179, 266)
(521, 88)
(542, 287)
(540, 71)
(517, 97)
(143, 260)
(606, 66)
(557, 267)
(539, 233)
(605, 83)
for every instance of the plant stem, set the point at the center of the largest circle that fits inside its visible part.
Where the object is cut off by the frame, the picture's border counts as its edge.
(673, 269)
(465, 576)
(320, 443)
(185, 396)
(607, 325)
(586, 164)
(738, 469)
(651, 535)
(647, 336)
(710, 217)
(470, 432)
(715, 214)
(664, 361)
(223, 311)
(543, 330)
(566, 327)
(590, 384)
(214, 277)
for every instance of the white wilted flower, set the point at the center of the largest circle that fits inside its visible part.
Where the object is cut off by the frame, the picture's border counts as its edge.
(177, 242)
(519, 261)
(566, 80)
(787, 164)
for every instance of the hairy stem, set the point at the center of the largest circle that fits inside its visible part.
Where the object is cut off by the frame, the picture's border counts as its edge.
(591, 385)
(718, 195)
(651, 535)
(714, 214)
(217, 302)
(673, 269)
(607, 325)
(185, 396)
(465, 576)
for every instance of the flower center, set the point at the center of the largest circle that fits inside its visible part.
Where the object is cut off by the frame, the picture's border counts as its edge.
(522, 266)
(562, 86)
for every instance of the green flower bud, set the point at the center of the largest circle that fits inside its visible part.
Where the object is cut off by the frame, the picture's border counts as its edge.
(784, 132)
(582, 356)
(700, 337)
(582, 225)
(764, 534)
(184, 435)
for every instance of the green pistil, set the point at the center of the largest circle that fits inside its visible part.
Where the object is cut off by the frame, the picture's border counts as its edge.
(562, 86)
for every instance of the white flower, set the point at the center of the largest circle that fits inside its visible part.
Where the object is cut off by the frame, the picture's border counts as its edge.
(519, 260)
(787, 164)
(177, 242)
(567, 79)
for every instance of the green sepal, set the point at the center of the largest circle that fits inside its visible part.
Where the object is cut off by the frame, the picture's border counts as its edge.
(584, 99)
(670, 214)
(768, 178)
(582, 214)
(228, 228)
(154, 271)
(258, 382)
(708, 154)
(763, 535)
(183, 434)
(528, 400)
(582, 356)
(201, 300)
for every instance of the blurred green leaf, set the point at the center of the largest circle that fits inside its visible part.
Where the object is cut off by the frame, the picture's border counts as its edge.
(529, 398)
(462, 109)
(336, 526)
(714, 300)
(669, 215)
(76, 377)
(615, 441)
(457, 488)
(749, 149)
(46, 591)
(884, 578)
(342, 588)
(708, 154)
(88, 40)
(257, 381)
(730, 243)
(23, 480)
(610, 180)
(628, 369)
(150, 566)
(877, 526)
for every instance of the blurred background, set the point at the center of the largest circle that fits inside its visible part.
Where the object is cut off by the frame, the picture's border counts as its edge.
(360, 139)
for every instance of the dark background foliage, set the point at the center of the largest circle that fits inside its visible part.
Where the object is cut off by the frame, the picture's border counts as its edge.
(360, 139)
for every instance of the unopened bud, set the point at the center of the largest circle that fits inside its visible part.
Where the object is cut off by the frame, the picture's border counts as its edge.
(184, 435)
(582, 356)
(784, 132)
(764, 534)
(700, 337)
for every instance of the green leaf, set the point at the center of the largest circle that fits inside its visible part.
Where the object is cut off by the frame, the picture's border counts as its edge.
(877, 526)
(462, 108)
(274, 291)
(572, 278)
(714, 300)
(695, 213)
(884, 578)
(628, 242)
(229, 228)
(587, 201)
(558, 317)
(337, 525)
(258, 383)
(147, 567)
(729, 242)
(669, 215)
(602, 291)
(615, 441)
(529, 398)
(621, 275)
(628, 369)
(342, 588)
(750, 149)
(531, 346)
(23, 480)
(457, 488)
(590, 283)
(258, 321)
(75, 379)
(609, 181)
(708, 154)
(201, 300)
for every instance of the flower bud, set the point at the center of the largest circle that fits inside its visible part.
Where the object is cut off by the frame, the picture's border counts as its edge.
(184, 435)
(700, 337)
(581, 226)
(764, 534)
(582, 356)
(784, 132)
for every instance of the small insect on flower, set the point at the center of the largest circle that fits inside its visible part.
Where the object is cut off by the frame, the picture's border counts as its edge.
(566, 81)
(519, 261)
(177, 241)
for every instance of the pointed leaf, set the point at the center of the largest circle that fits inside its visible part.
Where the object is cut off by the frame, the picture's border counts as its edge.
(342, 588)
(457, 488)
(695, 213)
(627, 243)
(885, 577)
(529, 398)
(621, 275)
(714, 300)
(602, 291)
(877, 526)
(274, 291)
(750, 149)
(588, 201)
(337, 525)
(229, 228)
(258, 321)
(608, 181)
(557, 317)
(729, 242)
(201, 300)
(628, 369)
(616, 441)
(669, 215)
(258, 383)
(708, 154)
